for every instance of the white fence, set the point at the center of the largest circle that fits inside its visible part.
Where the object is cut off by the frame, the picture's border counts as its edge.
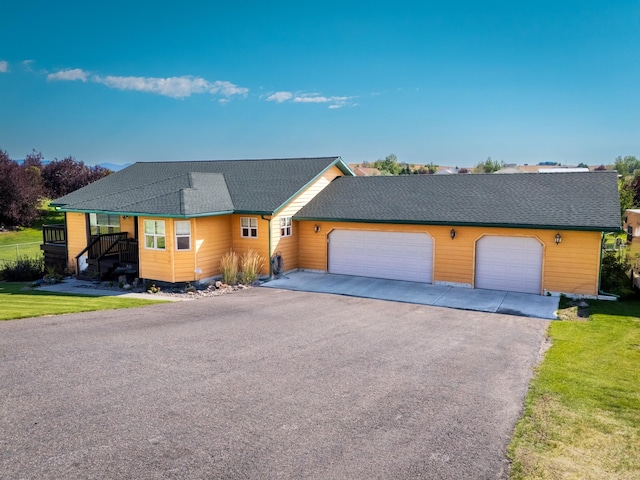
(17, 250)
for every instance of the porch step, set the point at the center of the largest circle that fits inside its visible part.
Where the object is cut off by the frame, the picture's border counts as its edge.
(107, 265)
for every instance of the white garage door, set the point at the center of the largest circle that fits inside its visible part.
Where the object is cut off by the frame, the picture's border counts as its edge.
(509, 263)
(392, 255)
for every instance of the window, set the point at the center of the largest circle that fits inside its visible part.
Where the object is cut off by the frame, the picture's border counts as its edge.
(248, 227)
(285, 226)
(183, 235)
(102, 223)
(154, 237)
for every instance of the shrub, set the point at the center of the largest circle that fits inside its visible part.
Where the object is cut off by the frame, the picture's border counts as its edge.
(613, 276)
(23, 269)
(251, 263)
(229, 267)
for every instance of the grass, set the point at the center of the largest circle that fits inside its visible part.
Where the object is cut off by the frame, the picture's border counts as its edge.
(20, 302)
(229, 267)
(582, 412)
(251, 263)
(28, 240)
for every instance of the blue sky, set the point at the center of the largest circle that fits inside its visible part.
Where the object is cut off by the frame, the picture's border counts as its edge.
(445, 82)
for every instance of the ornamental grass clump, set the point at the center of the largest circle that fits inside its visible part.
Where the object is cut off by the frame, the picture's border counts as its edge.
(229, 267)
(251, 264)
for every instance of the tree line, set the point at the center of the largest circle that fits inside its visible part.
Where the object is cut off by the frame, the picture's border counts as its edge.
(390, 165)
(24, 185)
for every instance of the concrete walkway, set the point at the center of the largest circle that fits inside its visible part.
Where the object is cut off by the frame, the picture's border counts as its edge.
(492, 301)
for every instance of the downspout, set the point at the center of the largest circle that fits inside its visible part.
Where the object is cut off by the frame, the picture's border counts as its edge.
(270, 277)
(600, 291)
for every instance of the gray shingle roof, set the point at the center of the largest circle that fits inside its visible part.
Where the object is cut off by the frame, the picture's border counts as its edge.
(199, 188)
(585, 201)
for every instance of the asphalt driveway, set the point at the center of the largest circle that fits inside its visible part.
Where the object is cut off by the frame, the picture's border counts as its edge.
(264, 383)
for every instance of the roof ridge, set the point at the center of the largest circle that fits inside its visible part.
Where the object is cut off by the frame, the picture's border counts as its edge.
(333, 157)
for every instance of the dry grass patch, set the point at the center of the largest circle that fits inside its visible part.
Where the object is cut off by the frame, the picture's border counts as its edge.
(582, 412)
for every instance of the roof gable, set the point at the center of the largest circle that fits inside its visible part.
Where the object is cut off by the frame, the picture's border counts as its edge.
(198, 188)
(586, 201)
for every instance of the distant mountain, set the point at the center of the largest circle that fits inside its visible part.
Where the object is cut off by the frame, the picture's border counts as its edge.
(114, 167)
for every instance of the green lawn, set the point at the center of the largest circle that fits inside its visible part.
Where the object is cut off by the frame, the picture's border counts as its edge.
(582, 412)
(20, 302)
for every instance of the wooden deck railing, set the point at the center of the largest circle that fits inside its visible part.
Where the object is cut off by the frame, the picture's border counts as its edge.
(54, 234)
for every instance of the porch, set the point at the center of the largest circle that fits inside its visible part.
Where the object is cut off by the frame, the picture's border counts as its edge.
(104, 256)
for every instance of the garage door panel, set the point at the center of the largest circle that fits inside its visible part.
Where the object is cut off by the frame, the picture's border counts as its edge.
(391, 255)
(509, 263)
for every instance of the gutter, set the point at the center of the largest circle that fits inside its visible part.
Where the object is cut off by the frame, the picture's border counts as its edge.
(451, 223)
(270, 277)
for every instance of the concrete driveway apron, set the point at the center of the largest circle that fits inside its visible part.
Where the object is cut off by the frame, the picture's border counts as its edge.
(493, 301)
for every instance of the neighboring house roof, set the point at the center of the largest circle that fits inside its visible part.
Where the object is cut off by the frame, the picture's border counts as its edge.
(200, 188)
(579, 201)
(510, 170)
(366, 171)
(446, 171)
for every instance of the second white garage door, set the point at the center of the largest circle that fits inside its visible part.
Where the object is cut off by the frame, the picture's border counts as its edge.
(392, 255)
(509, 263)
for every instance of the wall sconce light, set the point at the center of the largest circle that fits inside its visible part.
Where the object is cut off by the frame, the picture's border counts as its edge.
(124, 217)
(558, 238)
(452, 233)
(316, 228)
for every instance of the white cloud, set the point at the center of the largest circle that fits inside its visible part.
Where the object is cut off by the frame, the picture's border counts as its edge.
(4, 66)
(72, 74)
(334, 102)
(174, 87)
(280, 97)
(227, 88)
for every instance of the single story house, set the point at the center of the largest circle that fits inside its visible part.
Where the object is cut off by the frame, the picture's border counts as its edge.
(173, 221)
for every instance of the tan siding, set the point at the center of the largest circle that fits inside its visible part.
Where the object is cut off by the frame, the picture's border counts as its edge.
(157, 264)
(184, 261)
(212, 240)
(571, 267)
(261, 244)
(128, 225)
(288, 246)
(574, 265)
(76, 235)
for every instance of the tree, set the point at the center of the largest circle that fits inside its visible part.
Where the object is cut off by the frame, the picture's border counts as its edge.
(32, 166)
(627, 194)
(489, 166)
(67, 175)
(389, 164)
(20, 192)
(583, 165)
(627, 165)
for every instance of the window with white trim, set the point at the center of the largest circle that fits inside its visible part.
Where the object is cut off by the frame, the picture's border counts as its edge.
(154, 235)
(103, 223)
(285, 226)
(248, 227)
(183, 234)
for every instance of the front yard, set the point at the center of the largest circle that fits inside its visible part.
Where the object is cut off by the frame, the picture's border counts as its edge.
(582, 412)
(19, 301)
